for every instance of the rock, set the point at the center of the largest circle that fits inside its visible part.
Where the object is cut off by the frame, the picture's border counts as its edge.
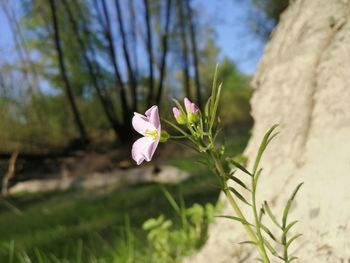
(302, 83)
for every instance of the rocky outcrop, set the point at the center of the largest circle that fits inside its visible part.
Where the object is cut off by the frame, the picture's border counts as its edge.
(302, 83)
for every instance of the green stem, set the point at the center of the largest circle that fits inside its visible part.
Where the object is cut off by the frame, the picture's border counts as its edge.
(256, 239)
(257, 224)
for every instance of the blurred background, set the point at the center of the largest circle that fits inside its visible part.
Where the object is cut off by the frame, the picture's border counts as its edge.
(72, 72)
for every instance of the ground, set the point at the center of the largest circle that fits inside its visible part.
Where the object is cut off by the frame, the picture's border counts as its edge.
(97, 220)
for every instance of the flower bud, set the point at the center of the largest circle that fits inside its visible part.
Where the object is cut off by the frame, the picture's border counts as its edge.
(187, 103)
(164, 136)
(179, 116)
(192, 111)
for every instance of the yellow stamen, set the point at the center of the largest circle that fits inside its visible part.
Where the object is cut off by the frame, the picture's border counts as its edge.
(151, 134)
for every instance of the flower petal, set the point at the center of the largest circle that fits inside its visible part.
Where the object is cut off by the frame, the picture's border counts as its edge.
(143, 149)
(187, 103)
(151, 149)
(138, 149)
(141, 123)
(153, 116)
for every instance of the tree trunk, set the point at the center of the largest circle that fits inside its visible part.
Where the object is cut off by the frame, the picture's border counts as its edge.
(302, 83)
(94, 72)
(165, 44)
(149, 52)
(132, 78)
(112, 54)
(185, 60)
(67, 86)
(195, 54)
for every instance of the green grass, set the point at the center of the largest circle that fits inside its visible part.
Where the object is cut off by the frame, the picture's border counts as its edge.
(62, 224)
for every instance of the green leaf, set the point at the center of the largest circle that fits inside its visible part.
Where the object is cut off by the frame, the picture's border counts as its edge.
(239, 166)
(213, 110)
(248, 243)
(171, 200)
(271, 215)
(270, 247)
(290, 225)
(239, 196)
(213, 88)
(261, 213)
(289, 204)
(256, 177)
(153, 222)
(265, 141)
(292, 239)
(267, 231)
(244, 222)
(291, 259)
(238, 181)
(206, 108)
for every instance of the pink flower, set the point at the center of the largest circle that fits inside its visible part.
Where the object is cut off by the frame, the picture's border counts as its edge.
(149, 126)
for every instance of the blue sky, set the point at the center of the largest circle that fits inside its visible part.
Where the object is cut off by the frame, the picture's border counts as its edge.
(230, 22)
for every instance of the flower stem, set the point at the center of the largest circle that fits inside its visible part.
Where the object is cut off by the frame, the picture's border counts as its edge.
(261, 245)
(256, 238)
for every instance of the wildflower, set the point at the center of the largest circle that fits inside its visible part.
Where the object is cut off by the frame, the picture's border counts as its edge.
(149, 126)
(192, 111)
(179, 116)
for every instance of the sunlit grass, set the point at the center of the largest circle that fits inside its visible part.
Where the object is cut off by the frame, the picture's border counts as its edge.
(82, 226)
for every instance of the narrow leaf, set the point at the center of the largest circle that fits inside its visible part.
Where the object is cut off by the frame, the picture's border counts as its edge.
(213, 111)
(267, 231)
(272, 250)
(261, 213)
(291, 259)
(290, 225)
(241, 220)
(240, 167)
(262, 147)
(238, 181)
(239, 196)
(248, 243)
(257, 176)
(207, 106)
(289, 204)
(171, 200)
(292, 239)
(271, 215)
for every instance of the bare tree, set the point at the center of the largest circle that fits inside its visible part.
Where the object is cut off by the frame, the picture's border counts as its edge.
(94, 72)
(149, 47)
(164, 38)
(194, 53)
(183, 37)
(112, 54)
(132, 79)
(67, 85)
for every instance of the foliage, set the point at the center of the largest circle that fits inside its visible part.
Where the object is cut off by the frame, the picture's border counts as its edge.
(57, 224)
(37, 113)
(171, 244)
(201, 134)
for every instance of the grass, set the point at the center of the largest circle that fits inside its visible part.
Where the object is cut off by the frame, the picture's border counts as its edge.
(81, 225)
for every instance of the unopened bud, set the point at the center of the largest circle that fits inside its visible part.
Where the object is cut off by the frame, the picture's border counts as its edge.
(179, 116)
(164, 136)
(192, 111)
